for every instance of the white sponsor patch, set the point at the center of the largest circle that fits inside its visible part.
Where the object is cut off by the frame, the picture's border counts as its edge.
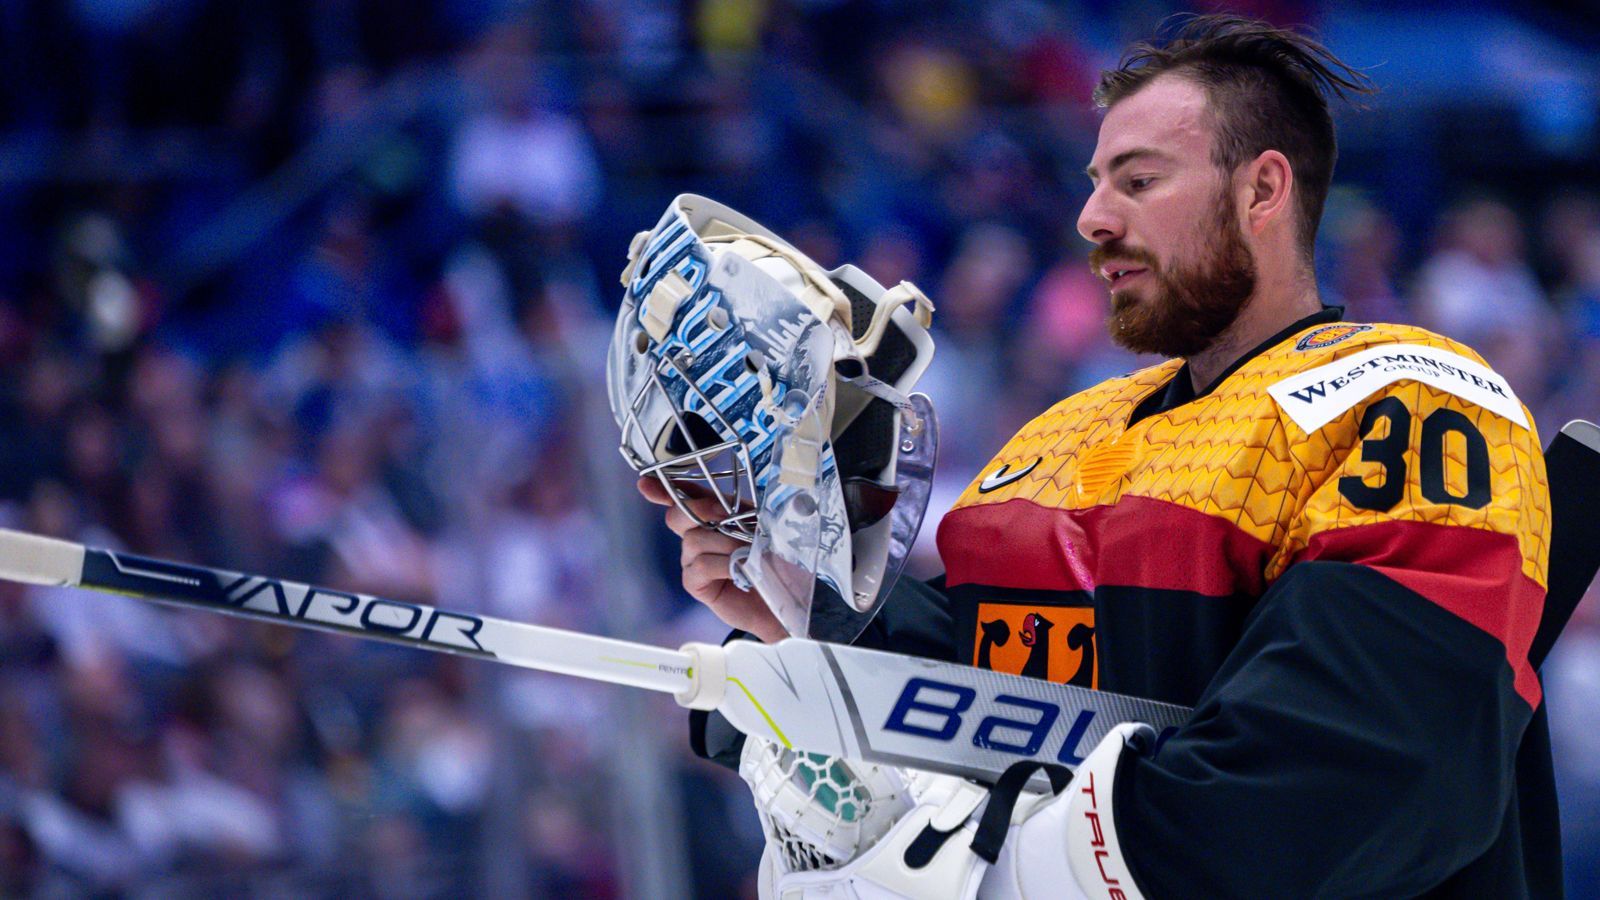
(1315, 397)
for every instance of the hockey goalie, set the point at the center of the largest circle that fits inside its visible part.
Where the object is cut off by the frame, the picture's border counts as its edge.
(1330, 539)
(1264, 619)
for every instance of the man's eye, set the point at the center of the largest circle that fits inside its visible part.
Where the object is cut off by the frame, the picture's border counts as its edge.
(1139, 184)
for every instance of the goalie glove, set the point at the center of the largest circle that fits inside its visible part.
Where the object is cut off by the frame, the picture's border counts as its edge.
(819, 812)
(843, 829)
(922, 854)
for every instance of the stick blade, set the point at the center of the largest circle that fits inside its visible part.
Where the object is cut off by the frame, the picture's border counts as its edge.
(1572, 462)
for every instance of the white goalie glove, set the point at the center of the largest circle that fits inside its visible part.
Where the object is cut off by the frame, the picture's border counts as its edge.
(819, 812)
(844, 830)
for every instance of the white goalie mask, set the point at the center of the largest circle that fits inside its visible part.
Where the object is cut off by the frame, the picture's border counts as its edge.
(741, 371)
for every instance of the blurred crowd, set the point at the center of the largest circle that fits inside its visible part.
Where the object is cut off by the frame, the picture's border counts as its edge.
(322, 289)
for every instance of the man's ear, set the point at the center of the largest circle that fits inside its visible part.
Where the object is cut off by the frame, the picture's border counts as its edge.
(1266, 189)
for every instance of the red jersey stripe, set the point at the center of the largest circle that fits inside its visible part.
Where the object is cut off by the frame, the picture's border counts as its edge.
(1461, 569)
(1020, 544)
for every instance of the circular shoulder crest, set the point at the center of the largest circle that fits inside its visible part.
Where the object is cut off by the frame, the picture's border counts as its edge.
(1328, 335)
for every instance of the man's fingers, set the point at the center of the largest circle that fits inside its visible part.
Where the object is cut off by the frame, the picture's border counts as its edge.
(698, 497)
(706, 578)
(654, 491)
(705, 557)
(682, 525)
(702, 574)
(701, 541)
(679, 523)
(693, 491)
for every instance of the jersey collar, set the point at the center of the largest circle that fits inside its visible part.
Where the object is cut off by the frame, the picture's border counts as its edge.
(1180, 389)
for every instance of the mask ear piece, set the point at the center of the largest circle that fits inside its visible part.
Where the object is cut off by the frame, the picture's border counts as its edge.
(865, 448)
(862, 309)
(893, 354)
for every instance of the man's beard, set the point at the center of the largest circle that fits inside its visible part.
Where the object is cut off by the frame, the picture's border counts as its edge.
(1189, 307)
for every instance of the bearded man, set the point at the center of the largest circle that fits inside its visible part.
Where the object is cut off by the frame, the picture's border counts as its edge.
(1328, 538)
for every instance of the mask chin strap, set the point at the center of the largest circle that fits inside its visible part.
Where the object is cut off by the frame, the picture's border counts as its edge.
(802, 453)
(888, 393)
(903, 294)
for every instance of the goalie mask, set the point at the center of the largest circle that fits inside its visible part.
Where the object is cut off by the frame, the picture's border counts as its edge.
(741, 371)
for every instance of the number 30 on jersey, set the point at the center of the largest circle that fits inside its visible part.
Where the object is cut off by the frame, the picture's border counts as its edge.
(1383, 485)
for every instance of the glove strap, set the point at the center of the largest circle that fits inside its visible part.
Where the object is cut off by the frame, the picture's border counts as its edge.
(996, 821)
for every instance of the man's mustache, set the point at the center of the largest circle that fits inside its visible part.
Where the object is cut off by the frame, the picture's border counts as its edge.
(1110, 250)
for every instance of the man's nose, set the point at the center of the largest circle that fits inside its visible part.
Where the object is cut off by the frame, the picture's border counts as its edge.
(1098, 223)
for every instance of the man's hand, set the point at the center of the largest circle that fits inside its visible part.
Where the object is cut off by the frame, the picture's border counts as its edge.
(705, 558)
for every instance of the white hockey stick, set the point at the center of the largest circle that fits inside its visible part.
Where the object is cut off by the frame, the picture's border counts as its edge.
(823, 698)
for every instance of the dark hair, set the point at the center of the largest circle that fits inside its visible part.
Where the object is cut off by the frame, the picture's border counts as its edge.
(1268, 88)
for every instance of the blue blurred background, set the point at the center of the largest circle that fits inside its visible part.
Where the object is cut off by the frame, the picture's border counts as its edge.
(321, 288)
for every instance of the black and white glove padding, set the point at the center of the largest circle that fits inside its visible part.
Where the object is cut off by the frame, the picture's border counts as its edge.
(1069, 847)
(951, 839)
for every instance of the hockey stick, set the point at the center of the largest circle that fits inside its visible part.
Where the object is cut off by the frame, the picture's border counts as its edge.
(1572, 463)
(823, 698)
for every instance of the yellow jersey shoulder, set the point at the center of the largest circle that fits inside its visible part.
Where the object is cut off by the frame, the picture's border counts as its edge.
(1325, 381)
(1036, 462)
(1398, 423)
(1237, 453)
(1321, 344)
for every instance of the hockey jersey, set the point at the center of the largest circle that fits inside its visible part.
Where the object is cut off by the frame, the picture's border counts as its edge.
(1337, 554)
